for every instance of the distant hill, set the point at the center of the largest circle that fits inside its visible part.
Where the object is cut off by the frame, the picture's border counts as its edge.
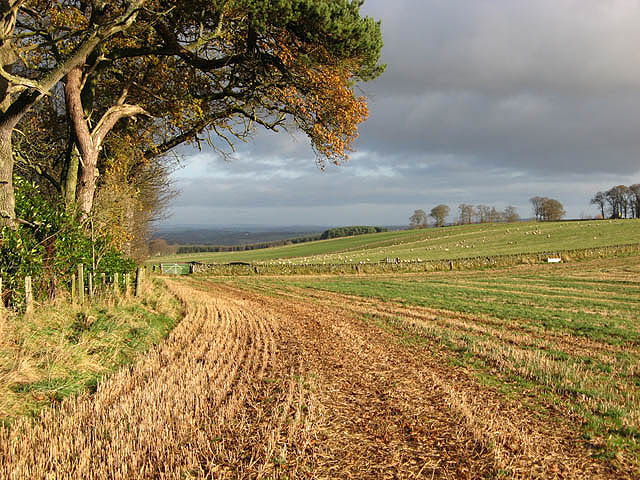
(233, 236)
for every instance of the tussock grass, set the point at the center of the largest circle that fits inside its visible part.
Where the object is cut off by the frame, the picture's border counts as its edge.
(63, 349)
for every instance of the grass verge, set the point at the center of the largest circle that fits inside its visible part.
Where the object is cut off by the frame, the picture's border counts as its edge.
(63, 349)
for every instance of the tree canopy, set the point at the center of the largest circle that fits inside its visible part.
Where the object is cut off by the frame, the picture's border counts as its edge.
(547, 209)
(439, 214)
(188, 71)
(418, 219)
(350, 231)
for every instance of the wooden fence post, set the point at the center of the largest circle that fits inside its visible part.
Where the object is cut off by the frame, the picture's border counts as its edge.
(90, 279)
(1, 299)
(139, 275)
(81, 283)
(127, 283)
(28, 294)
(73, 288)
(116, 287)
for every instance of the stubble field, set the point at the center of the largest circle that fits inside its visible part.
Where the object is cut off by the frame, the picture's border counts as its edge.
(528, 372)
(559, 339)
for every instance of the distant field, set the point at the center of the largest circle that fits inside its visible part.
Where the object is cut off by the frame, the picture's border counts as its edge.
(439, 243)
(551, 336)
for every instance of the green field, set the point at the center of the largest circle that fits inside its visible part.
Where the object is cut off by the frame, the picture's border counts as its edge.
(554, 336)
(438, 243)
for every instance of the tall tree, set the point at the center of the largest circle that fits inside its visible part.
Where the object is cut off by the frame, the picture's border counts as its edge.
(439, 214)
(537, 204)
(552, 210)
(89, 141)
(418, 219)
(600, 200)
(510, 214)
(495, 216)
(635, 190)
(483, 213)
(466, 212)
(617, 199)
(203, 70)
(40, 43)
(629, 203)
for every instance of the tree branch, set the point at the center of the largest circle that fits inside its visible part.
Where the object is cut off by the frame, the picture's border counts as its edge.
(191, 58)
(111, 117)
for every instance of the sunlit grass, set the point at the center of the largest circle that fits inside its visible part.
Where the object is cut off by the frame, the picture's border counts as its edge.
(63, 349)
(439, 243)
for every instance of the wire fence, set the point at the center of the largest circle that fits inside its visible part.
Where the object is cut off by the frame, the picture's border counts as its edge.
(83, 286)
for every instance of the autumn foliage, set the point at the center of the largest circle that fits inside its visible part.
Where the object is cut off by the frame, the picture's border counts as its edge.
(102, 92)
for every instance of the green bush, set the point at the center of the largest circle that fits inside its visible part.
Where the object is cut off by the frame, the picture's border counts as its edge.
(48, 244)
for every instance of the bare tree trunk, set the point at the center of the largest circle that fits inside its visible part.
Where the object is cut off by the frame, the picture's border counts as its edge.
(71, 178)
(7, 58)
(87, 182)
(7, 198)
(90, 141)
(84, 142)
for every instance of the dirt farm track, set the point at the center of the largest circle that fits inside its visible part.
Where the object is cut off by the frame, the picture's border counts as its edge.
(274, 387)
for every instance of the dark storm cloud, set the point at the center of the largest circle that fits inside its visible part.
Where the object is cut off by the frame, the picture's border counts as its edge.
(536, 97)
(507, 46)
(533, 85)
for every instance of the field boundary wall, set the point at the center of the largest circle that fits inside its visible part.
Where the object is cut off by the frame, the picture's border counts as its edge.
(411, 266)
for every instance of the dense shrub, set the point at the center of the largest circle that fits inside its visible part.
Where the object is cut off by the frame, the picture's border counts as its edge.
(48, 244)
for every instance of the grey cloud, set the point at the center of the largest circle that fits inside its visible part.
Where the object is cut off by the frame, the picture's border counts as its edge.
(531, 132)
(509, 45)
(483, 101)
(535, 85)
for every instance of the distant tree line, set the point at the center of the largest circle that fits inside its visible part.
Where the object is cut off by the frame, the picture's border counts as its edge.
(467, 214)
(350, 231)
(160, 247)
(619, 202)
(243, 248)
(547, 209)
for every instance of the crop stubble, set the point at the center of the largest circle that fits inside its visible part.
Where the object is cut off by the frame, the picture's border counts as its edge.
(413, 416)
(198, 406)
(252, 386)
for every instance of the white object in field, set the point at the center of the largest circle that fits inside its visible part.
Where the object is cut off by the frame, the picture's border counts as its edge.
(554, 260)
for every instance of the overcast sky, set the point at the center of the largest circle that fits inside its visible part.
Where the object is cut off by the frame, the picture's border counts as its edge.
(483, 101)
